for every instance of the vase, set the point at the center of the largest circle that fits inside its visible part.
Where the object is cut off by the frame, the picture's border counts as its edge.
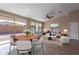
(27, 34)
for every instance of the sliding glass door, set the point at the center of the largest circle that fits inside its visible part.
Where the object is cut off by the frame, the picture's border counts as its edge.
(36, 27)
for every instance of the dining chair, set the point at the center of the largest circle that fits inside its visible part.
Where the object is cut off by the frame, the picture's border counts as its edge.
(12, 42)
(38, 42)
(45, 37)
(23, 47)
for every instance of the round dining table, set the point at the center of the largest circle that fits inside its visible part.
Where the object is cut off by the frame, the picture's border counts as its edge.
(25, 37)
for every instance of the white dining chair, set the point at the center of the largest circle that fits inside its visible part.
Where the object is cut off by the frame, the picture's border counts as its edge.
(4, 46)
(12, 42)
(38, 42)
(45, 37)
(23, 47)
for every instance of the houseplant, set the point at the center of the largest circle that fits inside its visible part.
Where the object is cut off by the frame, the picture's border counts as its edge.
(27, 32)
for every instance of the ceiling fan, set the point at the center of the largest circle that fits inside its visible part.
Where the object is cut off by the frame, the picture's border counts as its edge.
(49, 16)
(52, 14)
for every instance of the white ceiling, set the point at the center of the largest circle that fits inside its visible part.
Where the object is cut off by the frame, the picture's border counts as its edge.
(38, 11)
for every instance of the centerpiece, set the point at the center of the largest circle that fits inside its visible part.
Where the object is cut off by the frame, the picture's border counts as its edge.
(27, 32)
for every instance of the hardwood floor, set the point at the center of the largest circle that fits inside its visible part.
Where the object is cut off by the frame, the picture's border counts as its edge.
(53, 48)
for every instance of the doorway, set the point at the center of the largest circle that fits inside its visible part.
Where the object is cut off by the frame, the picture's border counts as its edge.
(73, 30)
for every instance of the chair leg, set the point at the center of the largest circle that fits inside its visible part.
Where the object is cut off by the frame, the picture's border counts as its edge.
(9, 50)
(42, 48)
(33, 50)
(17, 52)
(30, 51)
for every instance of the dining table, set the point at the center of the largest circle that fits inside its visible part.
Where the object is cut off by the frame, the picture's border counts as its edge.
(25, 37)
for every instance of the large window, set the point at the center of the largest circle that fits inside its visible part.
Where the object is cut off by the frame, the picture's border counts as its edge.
(11, 25)
(19, 26)
(33, 28)
(36, 27)
(6, 26)
(40, 27)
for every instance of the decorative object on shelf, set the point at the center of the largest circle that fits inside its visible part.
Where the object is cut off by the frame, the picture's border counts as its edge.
(27, 32)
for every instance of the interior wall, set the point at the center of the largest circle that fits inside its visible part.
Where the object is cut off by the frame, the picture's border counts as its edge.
(63, 21)
(74, 16)
(11, 16)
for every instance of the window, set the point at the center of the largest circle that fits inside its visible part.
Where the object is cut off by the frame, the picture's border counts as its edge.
(33, 27)
(9, 25)
(6, 26)
(19, 26)
(36, 27)
(40, 27)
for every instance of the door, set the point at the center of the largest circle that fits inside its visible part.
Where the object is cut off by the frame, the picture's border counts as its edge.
(73, 30)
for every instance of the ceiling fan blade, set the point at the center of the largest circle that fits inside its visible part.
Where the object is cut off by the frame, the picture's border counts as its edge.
(47, 16)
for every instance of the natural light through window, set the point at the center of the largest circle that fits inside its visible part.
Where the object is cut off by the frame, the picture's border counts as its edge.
(10, 21)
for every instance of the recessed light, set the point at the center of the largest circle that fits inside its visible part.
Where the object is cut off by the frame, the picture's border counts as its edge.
(27, 9)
